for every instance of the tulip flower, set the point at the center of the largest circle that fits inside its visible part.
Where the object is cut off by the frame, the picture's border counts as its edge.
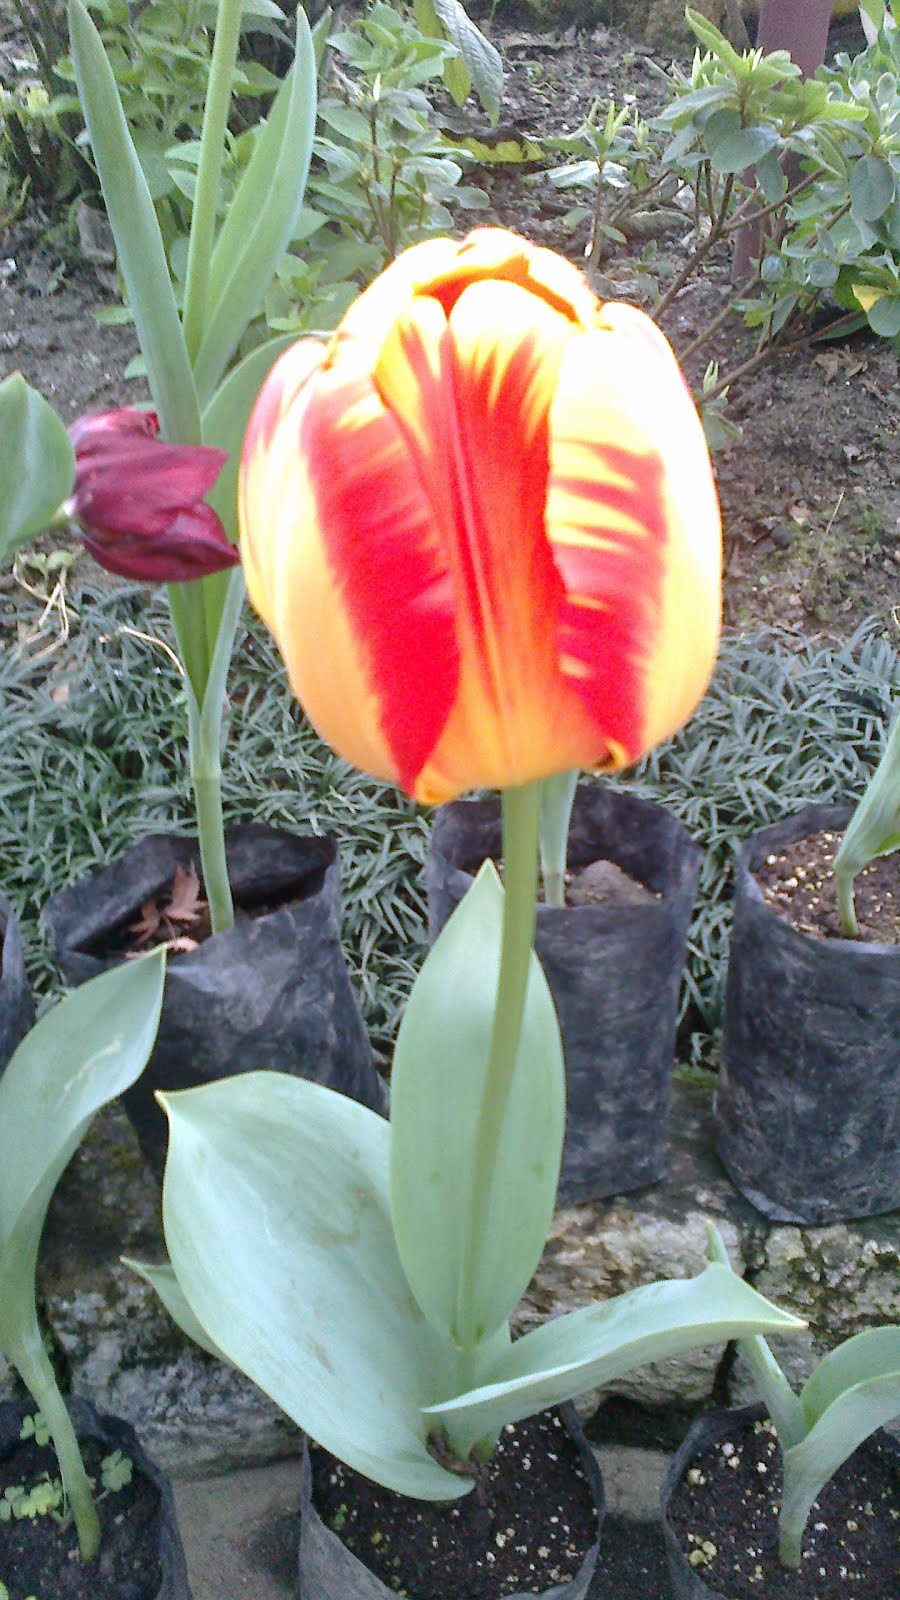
(481, 524)
(139, 500)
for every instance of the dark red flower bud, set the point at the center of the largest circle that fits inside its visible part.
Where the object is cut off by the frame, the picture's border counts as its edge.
(140, 500)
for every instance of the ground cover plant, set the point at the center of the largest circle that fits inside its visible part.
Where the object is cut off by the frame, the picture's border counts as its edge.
(788, 723)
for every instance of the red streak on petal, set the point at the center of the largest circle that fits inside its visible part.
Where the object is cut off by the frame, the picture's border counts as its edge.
(383, 548)
(613, 585)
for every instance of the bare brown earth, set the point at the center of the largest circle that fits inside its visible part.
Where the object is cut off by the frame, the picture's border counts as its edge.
(810, 494)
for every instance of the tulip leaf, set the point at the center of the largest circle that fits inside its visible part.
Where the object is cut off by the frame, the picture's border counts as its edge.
(163, 1280)
(277, 1221)
(225, 423)
(590, 1348)
(262, 216)
(872, 1354)
(86, 1050)
(37, 463)
(437, 1086)
(840, 1428)
(874, 828)
(139, 246)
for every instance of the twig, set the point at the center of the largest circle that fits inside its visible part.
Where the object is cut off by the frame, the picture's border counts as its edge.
(698, 255)
(718, 321)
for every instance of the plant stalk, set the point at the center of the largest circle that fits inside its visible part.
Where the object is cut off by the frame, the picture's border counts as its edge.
(521, 812)
(206, 779)
(557, 799)
(209, 170)
(34, 1367)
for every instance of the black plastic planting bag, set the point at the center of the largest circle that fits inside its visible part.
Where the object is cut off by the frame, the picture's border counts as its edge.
(273, 992)
(614, 971)
(706, 1432)
(112, 1433)
(808, 1101)
(327, 1570)
(16, 1009)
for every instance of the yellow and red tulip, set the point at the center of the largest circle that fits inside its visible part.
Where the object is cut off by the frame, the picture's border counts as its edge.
(481, 524)
(139, 500)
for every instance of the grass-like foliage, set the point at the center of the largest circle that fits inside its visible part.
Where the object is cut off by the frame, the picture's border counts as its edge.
(92, 759)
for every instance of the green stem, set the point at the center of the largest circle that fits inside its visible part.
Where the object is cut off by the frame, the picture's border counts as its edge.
(557, 799)
(206, 777)
(791, 1528)
(34, 1367)
(521, 811)
(843, 883)
(209, 170)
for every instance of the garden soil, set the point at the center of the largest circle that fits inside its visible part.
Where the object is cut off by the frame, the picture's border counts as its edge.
(810, 494)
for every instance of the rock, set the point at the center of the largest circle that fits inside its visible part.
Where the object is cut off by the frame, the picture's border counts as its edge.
(842, 1279)
(609, 1246)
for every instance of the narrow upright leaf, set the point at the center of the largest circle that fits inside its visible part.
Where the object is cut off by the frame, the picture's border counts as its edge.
(86, 1050)
(139, 245)
(437, 1086)
(262, 216)
(37, 463)
(225, 423)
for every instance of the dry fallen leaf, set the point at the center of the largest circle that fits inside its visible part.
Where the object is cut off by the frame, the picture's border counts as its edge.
(185, 904)
(148, 923)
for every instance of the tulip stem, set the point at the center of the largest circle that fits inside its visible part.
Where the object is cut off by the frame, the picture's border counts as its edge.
(207, 784)
(521, 811)
(557, 799)
(209, 171)
(34, 1368)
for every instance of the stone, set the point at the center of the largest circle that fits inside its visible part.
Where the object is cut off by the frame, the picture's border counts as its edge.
(842, 1279)
(606, 1247)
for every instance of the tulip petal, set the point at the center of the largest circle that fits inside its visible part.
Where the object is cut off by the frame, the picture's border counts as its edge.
(472, 394)
(634, 526)
(353, 561)
(502, 257)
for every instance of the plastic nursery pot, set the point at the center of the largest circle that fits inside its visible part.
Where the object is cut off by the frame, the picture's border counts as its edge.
(16, 1009)
(140, 1556)
(614, 970)
(273, 992)
(806, 1104)
(328, 1570)
(825, 1574)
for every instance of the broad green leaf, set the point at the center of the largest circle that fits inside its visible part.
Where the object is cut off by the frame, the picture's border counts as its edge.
(277, 1221)
(884, 316)
(163, 1280)
(86, 1050)
(139, 246)
(590, 1348)
(481, 59)
(733, 147)
(225, 423)
(872, 186)
(37, 463)
(872, 1354)
(840, 1429)
(261, 217)
(437, 1085)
